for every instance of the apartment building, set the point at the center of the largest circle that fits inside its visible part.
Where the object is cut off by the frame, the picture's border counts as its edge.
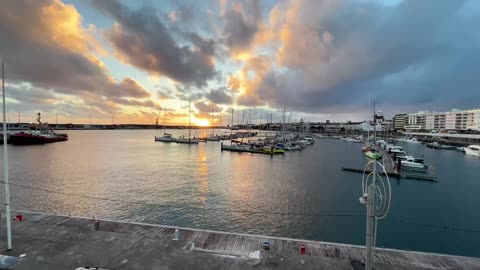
(454, 120)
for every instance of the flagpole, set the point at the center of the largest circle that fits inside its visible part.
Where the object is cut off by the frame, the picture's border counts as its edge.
(5, 166)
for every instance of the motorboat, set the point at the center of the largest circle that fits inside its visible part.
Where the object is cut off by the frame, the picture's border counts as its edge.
(397, 152)
(372, 154)
(353, 140)
(409, 140)
(436, 145)
(309, 139)
(418, 160)
(366, 149)
(392, 146)
(473, 150)
(410, 164)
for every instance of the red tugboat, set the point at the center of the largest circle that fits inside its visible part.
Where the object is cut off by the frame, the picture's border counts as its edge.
(40, 135)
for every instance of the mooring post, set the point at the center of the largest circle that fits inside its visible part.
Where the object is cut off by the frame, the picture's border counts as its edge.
(177, 235)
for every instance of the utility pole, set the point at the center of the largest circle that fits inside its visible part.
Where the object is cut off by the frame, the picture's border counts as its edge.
(5, 166)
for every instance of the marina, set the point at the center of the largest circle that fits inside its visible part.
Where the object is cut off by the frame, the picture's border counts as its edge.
(125, 175)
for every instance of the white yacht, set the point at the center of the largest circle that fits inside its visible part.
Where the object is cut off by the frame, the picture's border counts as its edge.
(408, 140)
(473, 150)
(410, 164)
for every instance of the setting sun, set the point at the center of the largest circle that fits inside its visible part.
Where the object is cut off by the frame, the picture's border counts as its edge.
(201, 122)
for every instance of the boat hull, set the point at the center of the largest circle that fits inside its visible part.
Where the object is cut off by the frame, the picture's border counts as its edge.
(471, 152)
(163, 139)
(29, 139)
(372, 155)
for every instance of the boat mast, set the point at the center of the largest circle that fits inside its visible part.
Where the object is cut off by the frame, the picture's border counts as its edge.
(213, 133)
(5, 166)
(189, 120)
(164, 119)
(231, 125)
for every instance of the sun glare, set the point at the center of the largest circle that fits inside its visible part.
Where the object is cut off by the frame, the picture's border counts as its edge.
(202, 122)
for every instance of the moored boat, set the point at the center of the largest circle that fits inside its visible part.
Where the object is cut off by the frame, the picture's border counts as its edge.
(372, 154)
(473, 150)
(410, 164)
(41, 135)
(167, 137)
(273, 150)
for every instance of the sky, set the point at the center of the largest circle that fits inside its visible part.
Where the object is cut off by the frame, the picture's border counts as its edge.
(135, 61)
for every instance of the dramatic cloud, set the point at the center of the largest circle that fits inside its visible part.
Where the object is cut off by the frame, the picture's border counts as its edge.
(141, 39)
(45, 44)
(241, 23)
(332, 55)
(204, 107)
(219, 96)
(320, 58)
(128, 88)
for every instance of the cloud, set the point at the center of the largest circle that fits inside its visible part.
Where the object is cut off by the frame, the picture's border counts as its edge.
(163, 95)
(141, 39)
(128, 88)
(47, 51)
(204, 107)
(241, 24)
(136, 103)
(329, 56)
(219, 96)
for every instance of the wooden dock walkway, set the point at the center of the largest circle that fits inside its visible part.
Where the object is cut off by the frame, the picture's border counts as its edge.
(63, 242)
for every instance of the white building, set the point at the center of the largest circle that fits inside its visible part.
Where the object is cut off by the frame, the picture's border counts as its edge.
(366, 126)
(435, 121)
(473, 120)
(416, 121)
(458, 120)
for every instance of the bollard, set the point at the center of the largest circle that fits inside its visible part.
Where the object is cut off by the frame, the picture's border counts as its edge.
(96, 224)
(303, 248)
(177, 235)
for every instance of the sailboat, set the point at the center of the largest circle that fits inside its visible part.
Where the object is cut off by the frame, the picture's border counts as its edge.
(369, 150)
(212, 136)
(166, 136)
(188, 140)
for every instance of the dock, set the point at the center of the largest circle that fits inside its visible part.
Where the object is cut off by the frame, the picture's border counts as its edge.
(42, 241)
(389, 167)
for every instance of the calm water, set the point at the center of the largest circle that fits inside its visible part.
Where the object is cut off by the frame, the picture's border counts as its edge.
(202, 187)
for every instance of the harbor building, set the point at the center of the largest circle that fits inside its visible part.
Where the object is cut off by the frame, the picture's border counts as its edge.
(454, 120)
(399, 121)
(416, 121)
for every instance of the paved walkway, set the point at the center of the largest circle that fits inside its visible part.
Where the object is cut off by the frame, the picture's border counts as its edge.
(58, 242)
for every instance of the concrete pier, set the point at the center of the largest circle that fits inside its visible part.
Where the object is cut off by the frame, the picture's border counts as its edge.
(43, 241)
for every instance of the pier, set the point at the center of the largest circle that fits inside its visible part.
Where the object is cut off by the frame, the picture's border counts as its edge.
(389, 167)
(42, 241)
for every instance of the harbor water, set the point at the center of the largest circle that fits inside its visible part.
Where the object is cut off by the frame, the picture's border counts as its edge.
(125, 175)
